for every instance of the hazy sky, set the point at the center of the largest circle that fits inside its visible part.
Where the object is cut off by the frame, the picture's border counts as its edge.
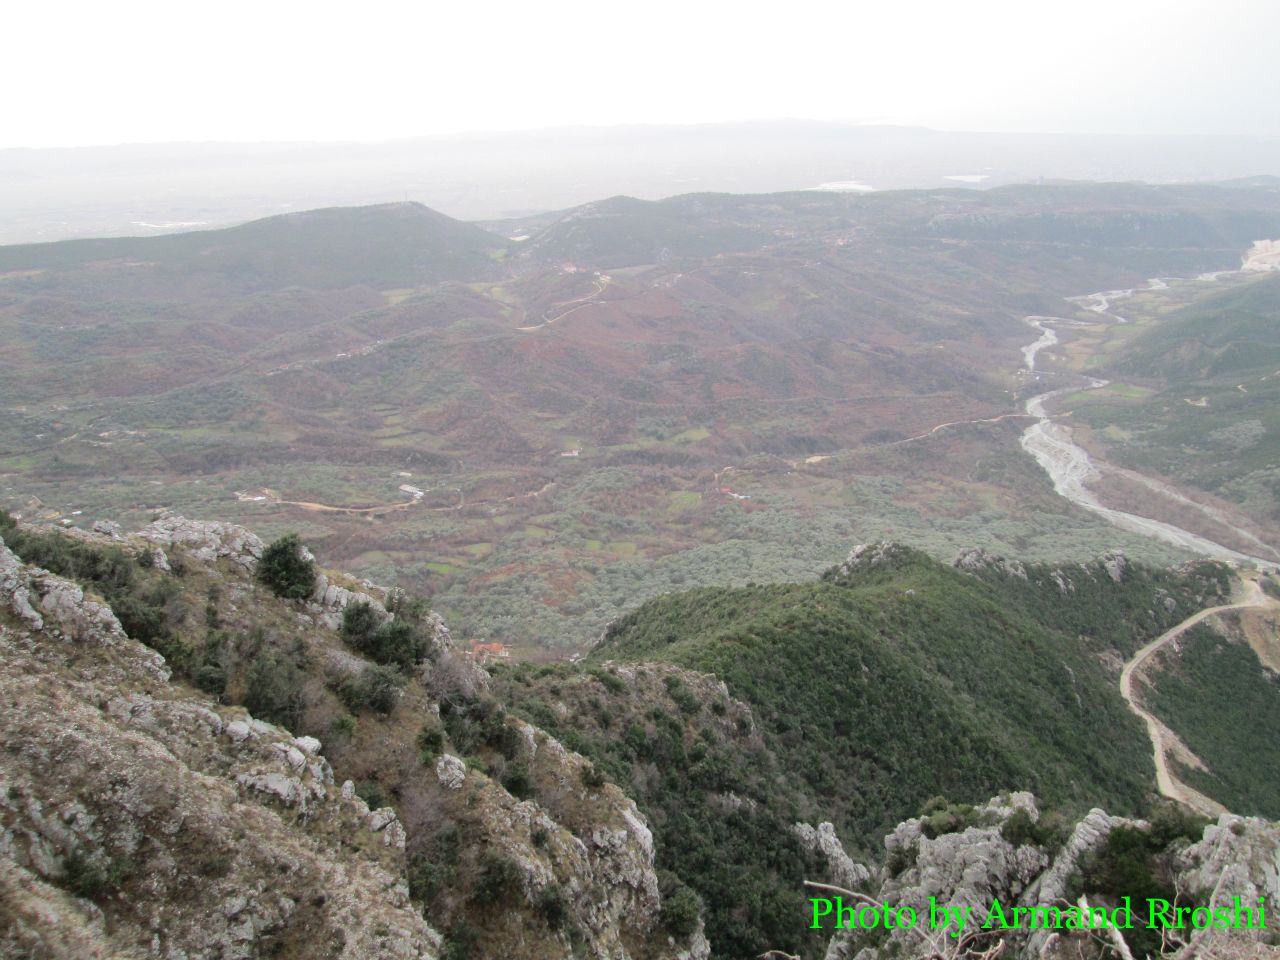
(128, 71)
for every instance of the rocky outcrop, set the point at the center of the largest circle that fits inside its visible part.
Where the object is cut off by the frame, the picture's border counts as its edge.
(968, 868)
(141, 818)
(977, 560)
(598, 848)
(108, 528)
(137, 820)
(329, 600)
(1237, 857)
(205, 540)
(822, 840)
(15, 589)
(451, 772)
(872, 555)
(990, 857)
(1116, 565)
(51, 605)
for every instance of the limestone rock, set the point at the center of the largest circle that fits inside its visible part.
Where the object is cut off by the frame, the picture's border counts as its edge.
(1116, 565)
(1238, 856)
(975, 560)
(206, 540)
(870, 555)
(15, 594)
(108, 528)
(196, 845)
(845, 872)
(78, 617)
(450, 771)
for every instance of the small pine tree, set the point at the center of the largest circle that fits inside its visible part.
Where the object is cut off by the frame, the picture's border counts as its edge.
(286, 570)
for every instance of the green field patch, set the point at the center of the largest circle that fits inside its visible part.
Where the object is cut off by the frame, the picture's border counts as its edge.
(1112, 391)
(622, 548)
(1128, 391)
(684, 500)
(479, 550)
(1116, 433)
(692, 435)
(438, 567)
(532, 530)
(413, 438)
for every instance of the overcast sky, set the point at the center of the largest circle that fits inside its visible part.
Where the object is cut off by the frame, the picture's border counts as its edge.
(127, 71)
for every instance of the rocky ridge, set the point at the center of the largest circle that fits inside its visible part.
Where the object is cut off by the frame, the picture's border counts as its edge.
(995, 853)
(126, 803)
(142, 818)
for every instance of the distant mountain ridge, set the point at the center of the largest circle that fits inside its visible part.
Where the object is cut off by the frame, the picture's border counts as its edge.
(389, 245)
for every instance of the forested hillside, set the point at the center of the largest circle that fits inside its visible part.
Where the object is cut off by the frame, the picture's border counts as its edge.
(857, 698)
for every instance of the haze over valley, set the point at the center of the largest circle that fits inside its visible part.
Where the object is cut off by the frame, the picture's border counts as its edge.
(638, 397)
(698, 482)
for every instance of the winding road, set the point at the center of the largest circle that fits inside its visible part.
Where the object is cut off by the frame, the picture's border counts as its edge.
(1163, 741)
(601, 282)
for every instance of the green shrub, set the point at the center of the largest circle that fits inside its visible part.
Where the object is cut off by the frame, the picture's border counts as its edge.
(592, 777)
(684, 698)
(428, 877)
(901, 859)
(498, 876)
(343, 727)
(1171, 821)
(359, 623)
(1127, 865)
(1020, 829)
(274, 690)
(377, 688)
(108, 569)
(517, 781)
(90, 879)
(430, 741)
(941, 817)
(285, 570)
(371, 792)
(681, 908)
(405, 606)
(609, 680)
(143, 621)
(481, 722)
(552, 906)
(1051, 831)
(210, 675)
(461, 942)
(397, 642)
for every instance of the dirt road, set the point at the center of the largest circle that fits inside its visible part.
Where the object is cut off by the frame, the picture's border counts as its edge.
(581, 302)
(1163, 741)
